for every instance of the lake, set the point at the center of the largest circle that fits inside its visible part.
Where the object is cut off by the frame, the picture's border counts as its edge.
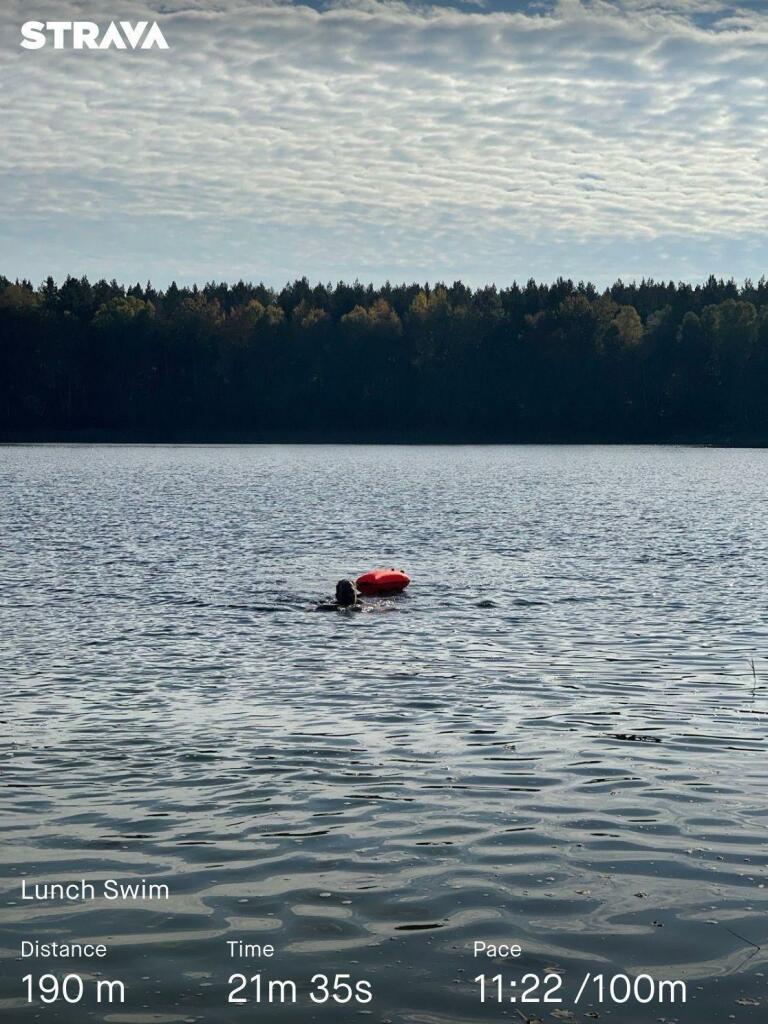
(556, 737)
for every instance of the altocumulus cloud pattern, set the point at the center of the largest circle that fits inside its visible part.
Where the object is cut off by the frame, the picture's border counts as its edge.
(592, 138)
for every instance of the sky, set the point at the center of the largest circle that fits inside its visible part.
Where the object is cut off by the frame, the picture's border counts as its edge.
(386, 140)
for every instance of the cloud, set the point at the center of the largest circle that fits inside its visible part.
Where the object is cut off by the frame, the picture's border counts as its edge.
(387, 136)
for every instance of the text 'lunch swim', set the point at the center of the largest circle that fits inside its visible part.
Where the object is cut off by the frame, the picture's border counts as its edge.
(83, 891)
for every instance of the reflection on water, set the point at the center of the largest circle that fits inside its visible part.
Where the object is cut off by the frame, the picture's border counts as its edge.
(556, 737)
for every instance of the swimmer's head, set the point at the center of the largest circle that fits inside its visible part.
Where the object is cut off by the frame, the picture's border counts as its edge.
(346, 594)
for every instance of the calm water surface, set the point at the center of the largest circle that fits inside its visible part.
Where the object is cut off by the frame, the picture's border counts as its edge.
(556, 737)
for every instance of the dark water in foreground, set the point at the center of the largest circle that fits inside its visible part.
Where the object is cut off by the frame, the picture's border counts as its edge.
(579, 767)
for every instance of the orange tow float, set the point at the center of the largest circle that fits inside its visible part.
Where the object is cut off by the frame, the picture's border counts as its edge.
(382, 581)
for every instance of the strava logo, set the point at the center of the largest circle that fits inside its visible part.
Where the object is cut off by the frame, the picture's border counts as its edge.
(87, 35)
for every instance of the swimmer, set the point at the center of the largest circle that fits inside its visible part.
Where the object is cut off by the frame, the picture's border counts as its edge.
(347, 598)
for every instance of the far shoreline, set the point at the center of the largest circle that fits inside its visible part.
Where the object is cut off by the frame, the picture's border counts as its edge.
(385, 438)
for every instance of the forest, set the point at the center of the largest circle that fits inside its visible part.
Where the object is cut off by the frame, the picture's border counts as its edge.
(557, 362)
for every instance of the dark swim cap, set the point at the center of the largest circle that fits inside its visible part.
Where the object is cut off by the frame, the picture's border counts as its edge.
(346, 594)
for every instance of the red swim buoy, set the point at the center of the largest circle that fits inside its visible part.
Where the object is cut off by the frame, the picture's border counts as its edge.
(382, 581)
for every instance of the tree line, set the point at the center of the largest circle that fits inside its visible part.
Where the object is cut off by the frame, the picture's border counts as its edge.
(642, 361)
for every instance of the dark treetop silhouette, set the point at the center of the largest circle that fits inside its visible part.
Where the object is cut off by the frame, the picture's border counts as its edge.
(651, 361)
